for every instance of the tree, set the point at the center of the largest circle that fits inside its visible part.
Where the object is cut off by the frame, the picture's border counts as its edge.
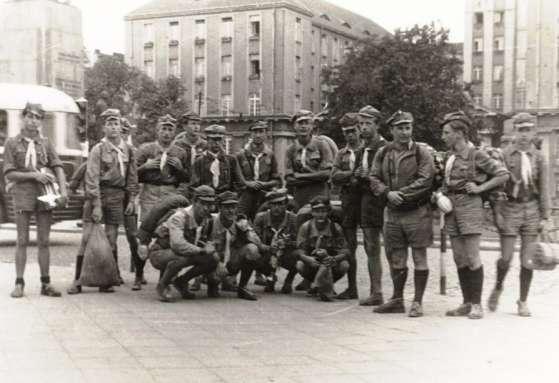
(111, 83)
(414, 70)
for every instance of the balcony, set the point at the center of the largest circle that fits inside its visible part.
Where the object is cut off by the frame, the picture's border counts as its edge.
(254, 76)
(200, 79)
(173, 43)
(199, 41)
(226, 39)
(148, 44)
(227, 78)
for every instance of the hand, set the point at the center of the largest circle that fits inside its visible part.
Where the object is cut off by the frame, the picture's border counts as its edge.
(221, 270)
(43, 178)
(175, 163)
(472, 188)
(130, 208)
(395, 198)
(314, 263)
(62, 201)
(328, 261)
(319, 253)
(242, 224)
(256, 185)
(280, 243)
(362, 172)
(97, 214)
(274, 262)
(209, 248)
(152, 164)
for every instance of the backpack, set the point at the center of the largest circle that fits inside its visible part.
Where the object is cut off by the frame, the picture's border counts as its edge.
(492, 195)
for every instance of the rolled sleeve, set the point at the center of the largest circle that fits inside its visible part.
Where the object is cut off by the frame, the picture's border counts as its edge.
(9, 156)
(489, 165)
(543, 176)
(52, 156)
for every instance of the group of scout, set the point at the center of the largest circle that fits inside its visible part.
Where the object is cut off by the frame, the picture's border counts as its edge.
(209, 216)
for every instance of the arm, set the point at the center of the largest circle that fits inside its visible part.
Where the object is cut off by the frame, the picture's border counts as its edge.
(489, 166)
(179, 244)
(11, 171)
(378, 187)
(340, 250)
(132, 187)
(303, 246)
(543, 177)
(340, 177)
(93, 175)
(425, 176)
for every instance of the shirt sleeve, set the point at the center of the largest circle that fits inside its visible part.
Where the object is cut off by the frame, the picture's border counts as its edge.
(179, 245)
(336, 169)
(52, 156)
(543, 177)
(302, 239)
(9, 156)
(377, 184)
(488, 165)
(132, 187)
(289, 162)
(326, 156)
(93, 175)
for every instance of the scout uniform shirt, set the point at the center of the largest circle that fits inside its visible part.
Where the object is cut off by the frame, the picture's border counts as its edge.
(331, 238)
(316, 156)
(528, 184)
(110, 167)
(166, 174)
(19, 156)
(229, 240)
(287, 230)
(193, 151)
(224, 177)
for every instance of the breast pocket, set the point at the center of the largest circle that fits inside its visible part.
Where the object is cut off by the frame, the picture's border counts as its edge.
(314, 160)
(20, 158)
(106, 162)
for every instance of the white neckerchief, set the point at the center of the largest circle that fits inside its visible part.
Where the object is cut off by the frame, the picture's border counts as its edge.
(30, 154)
(164, 156)
(192, 154)
(448, 168)
(351, 158)
(198, 234)
(525, 169)
(214, 169)
(227, 250)
(257, 165)
(365, 159)
(119, 154)
(304, 156)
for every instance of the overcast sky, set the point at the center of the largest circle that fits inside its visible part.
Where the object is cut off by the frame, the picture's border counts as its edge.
(104, 26)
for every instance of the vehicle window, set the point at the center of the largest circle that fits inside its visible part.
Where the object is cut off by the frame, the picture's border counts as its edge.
(3, 126)
(48, 129)
(72, 131)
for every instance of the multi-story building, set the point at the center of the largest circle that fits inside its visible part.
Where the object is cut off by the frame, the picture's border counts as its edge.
(42, 44)
(511, 54)
(244, 57)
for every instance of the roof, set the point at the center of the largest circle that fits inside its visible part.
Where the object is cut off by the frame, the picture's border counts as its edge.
(322, 12)
(15, 96)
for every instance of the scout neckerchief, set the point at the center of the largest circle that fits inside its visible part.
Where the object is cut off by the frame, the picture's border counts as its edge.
(304, 156)
(164, 155)
(192, 154)
(30, 154)
(351, 158)
(525, 169)
(119, 154)
(256, 162)
(214, 169)
(365, 159)
(448, 168)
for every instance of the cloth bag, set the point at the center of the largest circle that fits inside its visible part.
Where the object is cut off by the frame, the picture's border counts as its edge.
(99, 266)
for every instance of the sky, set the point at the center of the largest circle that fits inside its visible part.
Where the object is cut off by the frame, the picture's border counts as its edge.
(103, 20)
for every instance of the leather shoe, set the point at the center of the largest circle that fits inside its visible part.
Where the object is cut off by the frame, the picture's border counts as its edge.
(244, 293)
(213, 290)
(477, 312)
(375, 299)
(393, 306)
(184, 292)
(286, 288)
(137, 285)
(416, 310)
(348, 294)
(17, 292)
(493, 301)
(523, 309)
(303, 285)
(76, 288)
(49, 291)
(461, 311)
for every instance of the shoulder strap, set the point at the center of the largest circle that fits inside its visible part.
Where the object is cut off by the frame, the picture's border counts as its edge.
(472, 164)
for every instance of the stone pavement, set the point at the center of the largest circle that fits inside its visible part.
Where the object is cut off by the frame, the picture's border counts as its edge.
(131, 337)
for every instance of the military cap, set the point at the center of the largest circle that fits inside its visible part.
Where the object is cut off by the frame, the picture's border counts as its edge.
(215, 131)
(320, 201)
(189, 116)
(349, 121)
(277, 195)
(35, 109)
(228, 198)
(111, 114)
(303, 115)
(204, 193)
(400, 118)
(524, 119)
(370, 112)
(167, 120)
(459, 116)
(260, 125)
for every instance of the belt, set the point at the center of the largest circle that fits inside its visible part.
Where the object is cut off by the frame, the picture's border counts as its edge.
(521, 200)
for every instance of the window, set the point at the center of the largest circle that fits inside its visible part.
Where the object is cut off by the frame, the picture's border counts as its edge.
(313, 43)
(324, 45)
(499, 43)
(478, 18)
(255, 68)
(148, 33)
(149, 68)
(498, 17)
(497, 101)
(254, 104)
(520, 98)
(200, 29)
(298, 30)
(47, 127)
(298, 105)
(336, 50)
(255, 26)
(72, 136)
(298, 68)
(174, 31)
(226, 104)
(226, 28)
(174, 69)
(478, 45)
(478, 73)
(226, 66)
(199, 67)
(3, 126)
(199, 103)
(498, 73)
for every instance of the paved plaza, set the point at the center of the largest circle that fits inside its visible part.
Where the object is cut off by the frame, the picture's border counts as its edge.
(131, 337)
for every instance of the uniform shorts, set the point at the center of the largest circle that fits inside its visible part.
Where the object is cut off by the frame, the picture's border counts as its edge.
(351, 206)
(521, 218)
(338, 270)
(372, 210)
(152, 195)
(25, 196)
(466, 217)
(403, 229)
(112, 204)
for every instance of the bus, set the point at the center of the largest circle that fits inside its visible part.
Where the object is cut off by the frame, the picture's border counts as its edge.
(61, 125)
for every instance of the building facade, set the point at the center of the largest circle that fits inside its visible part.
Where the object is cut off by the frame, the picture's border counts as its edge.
(42, 44)
(244, 58)
(511, 54)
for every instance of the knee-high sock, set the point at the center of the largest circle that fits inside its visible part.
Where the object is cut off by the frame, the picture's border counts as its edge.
(79, 264)
(464, 279)
(502, 270)
(399, 277)
(476, 284)
(525, 282)
(246, 272)
(420, 281)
